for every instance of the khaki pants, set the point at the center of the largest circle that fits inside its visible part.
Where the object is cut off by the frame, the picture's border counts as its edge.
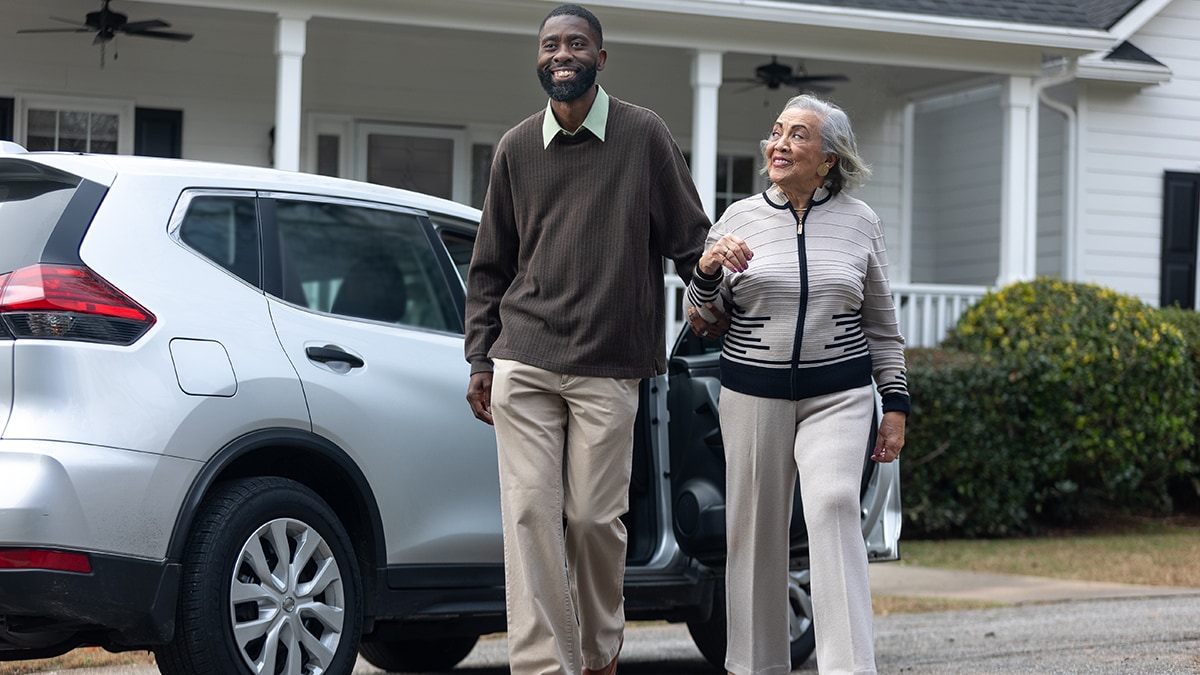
(565, 445)
(766, 442)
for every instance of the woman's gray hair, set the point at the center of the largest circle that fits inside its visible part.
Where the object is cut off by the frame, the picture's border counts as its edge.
(837, 137)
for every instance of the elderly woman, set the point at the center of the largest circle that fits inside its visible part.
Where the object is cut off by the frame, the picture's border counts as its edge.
(801, 272)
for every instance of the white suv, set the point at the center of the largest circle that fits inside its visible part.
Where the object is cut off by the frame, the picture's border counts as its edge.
(233, 430)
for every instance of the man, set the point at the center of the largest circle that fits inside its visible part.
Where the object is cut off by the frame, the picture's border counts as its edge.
(564, 318)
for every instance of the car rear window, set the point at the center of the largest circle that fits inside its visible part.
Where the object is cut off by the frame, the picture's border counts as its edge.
(32, 199)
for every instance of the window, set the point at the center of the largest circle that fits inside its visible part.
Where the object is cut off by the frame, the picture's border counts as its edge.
(224, 229)
(75, 125)
(736, 179)
(363, 262)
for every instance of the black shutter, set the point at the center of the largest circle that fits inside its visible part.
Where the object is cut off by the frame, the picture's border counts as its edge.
(1181, 229)
(7, 130)
(158, 132)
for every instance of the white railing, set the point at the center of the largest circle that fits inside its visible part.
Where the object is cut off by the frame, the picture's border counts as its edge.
(926, 311)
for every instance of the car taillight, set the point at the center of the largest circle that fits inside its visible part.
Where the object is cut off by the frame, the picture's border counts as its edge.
(38, 559)
(67, 302)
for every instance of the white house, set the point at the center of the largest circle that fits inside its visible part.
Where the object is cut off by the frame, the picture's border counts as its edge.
(1008, 138)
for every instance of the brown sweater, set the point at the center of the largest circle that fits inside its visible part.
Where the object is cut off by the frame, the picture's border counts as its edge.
(567, 272)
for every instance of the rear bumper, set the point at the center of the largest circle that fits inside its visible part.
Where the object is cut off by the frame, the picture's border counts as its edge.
(122, 602)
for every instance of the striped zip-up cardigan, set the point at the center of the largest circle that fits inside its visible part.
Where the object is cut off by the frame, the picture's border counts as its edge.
(813, 314)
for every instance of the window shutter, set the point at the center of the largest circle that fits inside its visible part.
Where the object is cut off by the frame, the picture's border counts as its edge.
(6, 119)
(158, 132)
(1181, 229)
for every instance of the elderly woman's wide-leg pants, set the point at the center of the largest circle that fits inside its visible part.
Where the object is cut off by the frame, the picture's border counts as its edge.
(766, 442)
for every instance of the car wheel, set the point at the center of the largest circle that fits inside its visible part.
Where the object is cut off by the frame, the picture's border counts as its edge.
(269, 585)
(710, 636)
(420, 656)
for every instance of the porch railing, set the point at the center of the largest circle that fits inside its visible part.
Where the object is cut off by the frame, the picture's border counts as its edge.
(926, 311)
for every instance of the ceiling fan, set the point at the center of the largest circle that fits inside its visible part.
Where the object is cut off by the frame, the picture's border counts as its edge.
(774, 75)
(107, 24)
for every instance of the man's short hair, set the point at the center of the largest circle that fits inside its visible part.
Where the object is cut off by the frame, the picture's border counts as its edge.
(576, 10)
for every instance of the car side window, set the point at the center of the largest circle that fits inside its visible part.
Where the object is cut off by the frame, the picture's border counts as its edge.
(458, 236)
(459, 245)
(224, 229)
(363, 262)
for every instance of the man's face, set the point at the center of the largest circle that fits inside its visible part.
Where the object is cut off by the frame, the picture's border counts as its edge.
(569, 57)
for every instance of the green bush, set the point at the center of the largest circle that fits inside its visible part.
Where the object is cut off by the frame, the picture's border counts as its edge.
(1064, 399)
(965, 472)
(1186, 489)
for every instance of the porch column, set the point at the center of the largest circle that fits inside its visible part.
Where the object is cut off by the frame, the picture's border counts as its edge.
(706, 79)
(1018, 184)
(289, 50)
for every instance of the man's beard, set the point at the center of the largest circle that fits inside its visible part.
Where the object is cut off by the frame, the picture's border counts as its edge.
(571, 90)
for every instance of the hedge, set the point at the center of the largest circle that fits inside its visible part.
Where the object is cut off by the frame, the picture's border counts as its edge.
(1050, 403)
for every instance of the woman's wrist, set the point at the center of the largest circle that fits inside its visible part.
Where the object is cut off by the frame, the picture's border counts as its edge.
(715, 275)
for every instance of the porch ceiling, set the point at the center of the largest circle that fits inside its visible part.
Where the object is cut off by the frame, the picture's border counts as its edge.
(785, 28)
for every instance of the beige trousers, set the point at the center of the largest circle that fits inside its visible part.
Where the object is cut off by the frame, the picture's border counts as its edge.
(766, 442)
(565, 446)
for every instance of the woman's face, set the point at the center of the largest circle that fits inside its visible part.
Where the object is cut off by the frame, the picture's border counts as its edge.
(793, 152)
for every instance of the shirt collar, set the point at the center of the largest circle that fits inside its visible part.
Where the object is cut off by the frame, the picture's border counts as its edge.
(595, 122)
(779, 200)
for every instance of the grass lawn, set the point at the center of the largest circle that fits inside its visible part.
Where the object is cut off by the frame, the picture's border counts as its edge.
(1156, 552)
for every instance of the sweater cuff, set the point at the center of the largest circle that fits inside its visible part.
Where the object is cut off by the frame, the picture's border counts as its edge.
(896, 403)
(708, 282)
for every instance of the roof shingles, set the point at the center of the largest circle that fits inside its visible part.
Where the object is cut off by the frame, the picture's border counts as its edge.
(1096, 14)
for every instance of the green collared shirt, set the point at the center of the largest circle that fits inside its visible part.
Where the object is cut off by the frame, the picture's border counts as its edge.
(595, 122)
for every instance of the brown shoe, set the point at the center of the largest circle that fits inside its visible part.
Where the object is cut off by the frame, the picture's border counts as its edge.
(611, 668)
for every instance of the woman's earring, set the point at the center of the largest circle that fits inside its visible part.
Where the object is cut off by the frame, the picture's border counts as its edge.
(823, 170)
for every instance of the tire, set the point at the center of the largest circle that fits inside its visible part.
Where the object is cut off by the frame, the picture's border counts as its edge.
(710, 636)
(418, 656)
(244, 608)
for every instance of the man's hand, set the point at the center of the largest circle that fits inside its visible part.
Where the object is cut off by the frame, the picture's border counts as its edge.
(479, 395)
(704, 329)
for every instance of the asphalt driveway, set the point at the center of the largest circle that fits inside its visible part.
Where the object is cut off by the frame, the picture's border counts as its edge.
(1047, 626)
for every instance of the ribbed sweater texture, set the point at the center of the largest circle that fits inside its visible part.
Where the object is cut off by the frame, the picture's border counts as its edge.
(567, 271)
(813, 313)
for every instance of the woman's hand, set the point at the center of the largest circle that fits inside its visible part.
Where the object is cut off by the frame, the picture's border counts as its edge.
(729, 252)
(890, 440)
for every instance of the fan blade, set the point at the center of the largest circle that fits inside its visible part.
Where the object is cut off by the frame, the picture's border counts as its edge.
(166, 35)
(138, 26)
(819, 78)
(55, 30)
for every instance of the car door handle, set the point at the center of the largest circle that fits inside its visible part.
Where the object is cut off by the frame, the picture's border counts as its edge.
(328, 354)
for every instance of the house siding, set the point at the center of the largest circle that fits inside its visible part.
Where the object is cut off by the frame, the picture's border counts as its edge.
(1051, 204)
(956, 193)
(1130, 137)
